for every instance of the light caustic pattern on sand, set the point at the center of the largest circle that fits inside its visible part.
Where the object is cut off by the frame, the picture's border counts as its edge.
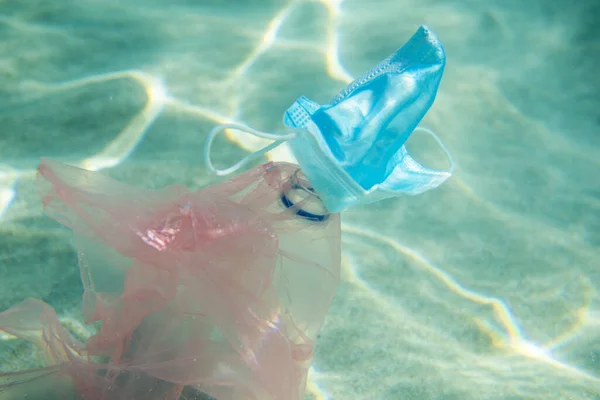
(512, 365)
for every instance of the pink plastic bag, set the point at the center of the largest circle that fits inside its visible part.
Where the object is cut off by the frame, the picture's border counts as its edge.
(221, 291)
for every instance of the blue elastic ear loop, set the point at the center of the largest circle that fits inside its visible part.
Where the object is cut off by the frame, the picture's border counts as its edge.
(279, 139)
(302, 213)
(288, 203)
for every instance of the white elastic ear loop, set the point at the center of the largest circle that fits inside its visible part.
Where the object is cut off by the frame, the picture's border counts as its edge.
(439, 141)
(279, 139)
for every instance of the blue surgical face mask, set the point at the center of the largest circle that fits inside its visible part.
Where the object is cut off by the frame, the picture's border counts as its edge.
(352, 150)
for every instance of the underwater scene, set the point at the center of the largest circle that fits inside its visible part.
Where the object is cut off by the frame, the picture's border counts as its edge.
(299, 199)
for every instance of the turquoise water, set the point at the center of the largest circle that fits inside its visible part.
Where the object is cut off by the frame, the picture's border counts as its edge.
(485, 288)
